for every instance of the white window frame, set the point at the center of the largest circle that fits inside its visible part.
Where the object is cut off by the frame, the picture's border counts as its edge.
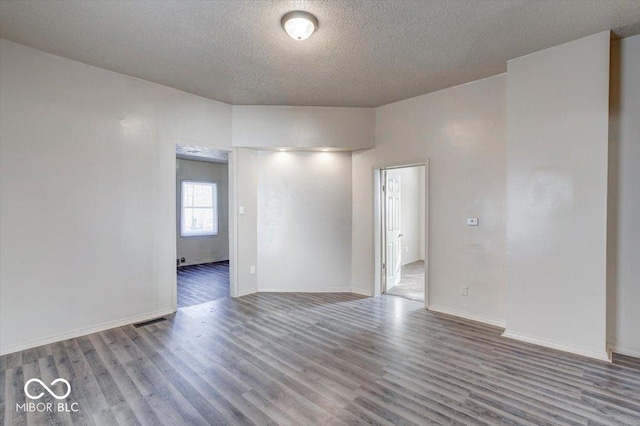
(214, 208)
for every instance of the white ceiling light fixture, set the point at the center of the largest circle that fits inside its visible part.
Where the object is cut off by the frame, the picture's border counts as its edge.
(299, 25)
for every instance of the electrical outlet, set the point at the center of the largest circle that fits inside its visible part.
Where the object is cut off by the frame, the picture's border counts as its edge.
(464, 290)
(182, 260)
(252, 270)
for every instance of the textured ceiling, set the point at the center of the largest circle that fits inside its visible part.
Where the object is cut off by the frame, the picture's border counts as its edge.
(365, 53)
(198, 153)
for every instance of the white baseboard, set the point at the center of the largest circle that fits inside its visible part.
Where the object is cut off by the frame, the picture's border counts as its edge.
(361, 291)
(306, 290)
(624, 350)
(84, 331)
(602, 356)
(200, 262)
(248, 291)
(467, 315)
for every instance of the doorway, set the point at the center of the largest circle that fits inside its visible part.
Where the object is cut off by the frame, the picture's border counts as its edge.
(202, 225)
(402, 211)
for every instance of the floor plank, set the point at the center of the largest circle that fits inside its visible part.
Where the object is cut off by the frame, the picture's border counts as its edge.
(325, 359)
(202, 283)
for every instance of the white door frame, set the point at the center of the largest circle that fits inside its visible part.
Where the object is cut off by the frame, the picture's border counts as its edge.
(233, 223)
(378, 217)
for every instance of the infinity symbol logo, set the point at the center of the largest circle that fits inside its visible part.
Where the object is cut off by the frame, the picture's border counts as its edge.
(52, 393)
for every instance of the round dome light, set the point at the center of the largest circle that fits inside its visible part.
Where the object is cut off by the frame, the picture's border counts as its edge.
(299, 25)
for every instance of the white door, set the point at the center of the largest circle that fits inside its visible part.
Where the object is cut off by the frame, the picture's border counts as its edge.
(392, 230)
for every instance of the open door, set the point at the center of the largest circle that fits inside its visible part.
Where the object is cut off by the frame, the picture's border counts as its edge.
(393, 252)
(401, 226)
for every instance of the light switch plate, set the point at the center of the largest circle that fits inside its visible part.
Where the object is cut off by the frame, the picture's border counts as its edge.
(472, 221)
(241, 210)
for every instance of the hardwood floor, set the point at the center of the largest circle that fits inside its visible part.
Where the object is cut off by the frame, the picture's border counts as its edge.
(318, 359)
(202, 283)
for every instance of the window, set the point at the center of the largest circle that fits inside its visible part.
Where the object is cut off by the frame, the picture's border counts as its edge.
(199, 213)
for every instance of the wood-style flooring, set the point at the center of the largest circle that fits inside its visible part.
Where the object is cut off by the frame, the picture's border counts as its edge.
(319, 359)
(202, 283)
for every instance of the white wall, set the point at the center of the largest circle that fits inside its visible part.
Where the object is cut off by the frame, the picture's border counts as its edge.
(303, 127)
(462, 131)
(206, 248)
(623, 237)
(362, 237)
(412, 212)
(422, 213)
(557, 134)
(247, 199)
(87, 175)
(304, 221)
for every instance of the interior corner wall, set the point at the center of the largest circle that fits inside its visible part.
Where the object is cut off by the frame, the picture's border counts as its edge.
(247, 238)
(87, 178)
(206, 248)
(422, 213)
(304, 221)
(462, 132)
(557, 132)
(623, 236)
(362, 236)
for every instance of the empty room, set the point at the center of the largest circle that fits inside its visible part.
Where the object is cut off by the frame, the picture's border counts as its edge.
(344, 212)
